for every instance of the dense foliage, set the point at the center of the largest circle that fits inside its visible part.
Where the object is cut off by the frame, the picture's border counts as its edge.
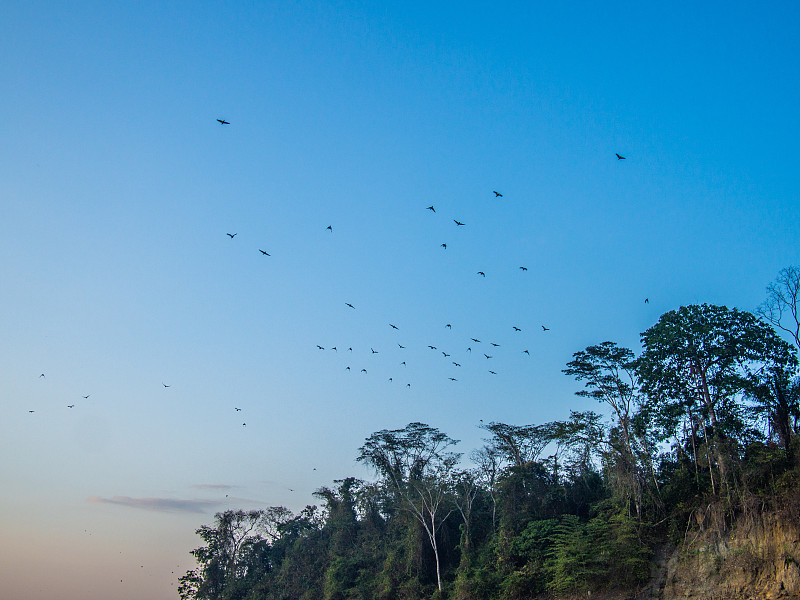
(707, 413)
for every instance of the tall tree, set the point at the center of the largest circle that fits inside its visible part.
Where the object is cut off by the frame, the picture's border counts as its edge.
(696, 359)
(416, 464)
(609, 373)
(782, 306)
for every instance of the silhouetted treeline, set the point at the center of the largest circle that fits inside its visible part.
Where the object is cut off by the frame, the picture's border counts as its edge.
(708, 413)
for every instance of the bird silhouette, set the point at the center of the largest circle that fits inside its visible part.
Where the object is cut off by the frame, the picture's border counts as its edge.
(374, 351)
(545, 328)
(347, 368)
(432, 347)
(469, 350)
(458, 223)
(487, 356)
(30, 411)
(231, 235)
(497, 194)
(42, 375)
(647, 300)
(244, 424)
(350, 305)
(264, 252)
(403, 363)
(492, 372)
(476, 341)
(456, 364)
(237, 409)
(495, 345)
(334, 349)
(390, 378)
(392, 326)
(452, 379)
(70, 406)
(223, 122)
(320, 347)
(445, 354)
(431, 209)
(524, 268)
(481, 273)
(449, 326)
(517, 328)
(86, 397)
(526, 352)
(444, 246)
(165, 385)
(363, 370)
(401, 346)
(330, 228)
(619, 157)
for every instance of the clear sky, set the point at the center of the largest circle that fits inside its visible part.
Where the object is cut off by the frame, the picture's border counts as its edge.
(118, 187)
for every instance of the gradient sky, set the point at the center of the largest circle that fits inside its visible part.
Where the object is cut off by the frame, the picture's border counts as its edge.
(118, 187)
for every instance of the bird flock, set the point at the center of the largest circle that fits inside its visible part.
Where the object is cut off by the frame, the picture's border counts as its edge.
(458, 353)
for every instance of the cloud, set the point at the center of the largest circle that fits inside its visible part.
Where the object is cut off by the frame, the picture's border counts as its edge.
(158, 504)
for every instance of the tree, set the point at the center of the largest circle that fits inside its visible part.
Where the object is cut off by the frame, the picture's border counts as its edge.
(415, 463)
(781, 308)
(225, 559)
(696, 363)
(610, 376)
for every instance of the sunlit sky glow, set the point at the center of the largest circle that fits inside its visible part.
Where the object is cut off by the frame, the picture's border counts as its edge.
(118, 186)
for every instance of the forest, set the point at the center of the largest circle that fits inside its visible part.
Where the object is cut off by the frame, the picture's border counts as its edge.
(704, 420)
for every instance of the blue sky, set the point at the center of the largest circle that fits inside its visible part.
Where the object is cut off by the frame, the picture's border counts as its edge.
(118, 187)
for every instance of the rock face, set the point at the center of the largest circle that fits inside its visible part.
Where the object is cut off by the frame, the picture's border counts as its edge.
(756, 559)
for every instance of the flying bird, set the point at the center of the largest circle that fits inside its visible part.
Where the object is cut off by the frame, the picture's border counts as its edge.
(363, 370)
(459, 223)
(165, 385)
(334, 349)
(223, 122)
(432, 347)
(350, 305)
(374, 351)
(330, 228)
(320, 347)
(497, 194)
(444, 246)
(30, 411)
(347, 368)
(403, 363)
(545, 328)
(619, 157)
(237, 409)
(231, 235)
(647, 300)
(392, 326)
(401, 346)
(524, 268)
(492, 372)
(495, 345)
(86, 397)
(431, 209)
(42, 375)
(487, 356)
(481, 273)
(449, 326)
(445, 354)
(456, 364)
(469, 350)
(517, 328)
(526, 352)
(70, 406)
(264, 252)
(452, 379)
(476, 341)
